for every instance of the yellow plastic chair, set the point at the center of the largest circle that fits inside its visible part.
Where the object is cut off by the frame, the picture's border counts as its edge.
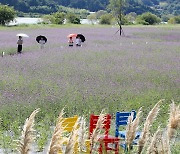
(68, 124)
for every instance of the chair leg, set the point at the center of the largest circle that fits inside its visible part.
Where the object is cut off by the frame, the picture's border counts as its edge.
(105, 146)
(116, 148)
(100, 148)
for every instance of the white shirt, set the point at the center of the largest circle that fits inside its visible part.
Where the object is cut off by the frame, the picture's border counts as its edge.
(78, 41)
(42, 42)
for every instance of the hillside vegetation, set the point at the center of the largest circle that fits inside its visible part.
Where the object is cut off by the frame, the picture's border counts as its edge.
(138, 6)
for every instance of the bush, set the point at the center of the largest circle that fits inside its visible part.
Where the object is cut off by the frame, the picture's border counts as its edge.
(106, 19)
(59, 18)
(92, 18)
(48, 19)
(174, 20)
(72, 18)
(7, 14)
(131, 17)
(148, 19)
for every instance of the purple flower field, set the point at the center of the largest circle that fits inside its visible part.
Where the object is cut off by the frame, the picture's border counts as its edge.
(144, 60)
(108, 71)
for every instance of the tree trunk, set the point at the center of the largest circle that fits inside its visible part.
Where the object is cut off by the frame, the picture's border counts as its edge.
(120, 30)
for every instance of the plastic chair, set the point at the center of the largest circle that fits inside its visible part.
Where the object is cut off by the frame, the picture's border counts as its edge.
(122, 120)
(106, 139)
(68, 124)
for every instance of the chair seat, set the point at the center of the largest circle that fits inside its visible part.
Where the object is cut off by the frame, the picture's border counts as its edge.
(122, 134)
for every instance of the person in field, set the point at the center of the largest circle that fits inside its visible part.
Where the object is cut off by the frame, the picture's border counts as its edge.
(42, 42)
(19, 43)
(78, 41)
(70, 41)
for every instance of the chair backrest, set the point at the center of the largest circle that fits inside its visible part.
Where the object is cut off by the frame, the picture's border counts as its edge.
(68, 123)
(93, 122)
(122, 119)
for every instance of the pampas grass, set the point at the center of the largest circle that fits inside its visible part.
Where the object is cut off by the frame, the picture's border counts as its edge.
(27, 137)
(164, 146)
(174, 120)
(149, 120)
(97, 131)
(131, 129)
(152, 149)
(56, 140)
(73, 140)
(75, 143)
(83, 134)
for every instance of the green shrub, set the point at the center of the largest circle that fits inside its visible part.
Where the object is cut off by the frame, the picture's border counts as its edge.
(72, 18)
(59, 18)
(106, 19)
(148, 19)
(174, 20)
(92, 18)
(47, 19)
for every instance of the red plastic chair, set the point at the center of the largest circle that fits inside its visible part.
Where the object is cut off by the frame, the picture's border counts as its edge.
(106, 139)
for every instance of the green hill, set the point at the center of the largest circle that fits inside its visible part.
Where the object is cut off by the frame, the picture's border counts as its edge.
(138, 6)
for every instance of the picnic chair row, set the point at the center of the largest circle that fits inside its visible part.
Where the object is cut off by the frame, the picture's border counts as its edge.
(106, 141)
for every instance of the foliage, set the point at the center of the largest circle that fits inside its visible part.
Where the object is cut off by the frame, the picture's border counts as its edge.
(137, 6)
(100, 13)
(117, 8)
(82, 13)
(174, 20)
(92, 18)
(7, 14)
(148, 19)
(59, 18)
(131, 17)
(106, 19)
(72, 18)
(42, 9)
(48, 19)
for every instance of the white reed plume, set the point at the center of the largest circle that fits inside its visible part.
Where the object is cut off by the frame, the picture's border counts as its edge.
(174, 120)
(27, 137)
(148, 123)
(57, 139)
(152, 148)
(131, 128)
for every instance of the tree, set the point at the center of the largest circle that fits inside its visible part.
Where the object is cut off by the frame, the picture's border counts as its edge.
(148, 19)
(106, 19)
(92, 18)
(7, 14)
(117, 7)
(174, 20)
(59, 18)
(72, 18)
(100, 13)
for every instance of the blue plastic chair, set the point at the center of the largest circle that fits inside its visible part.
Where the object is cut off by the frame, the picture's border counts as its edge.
(122, 120)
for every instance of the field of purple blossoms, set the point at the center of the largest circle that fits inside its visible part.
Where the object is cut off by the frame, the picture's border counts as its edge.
(108, 71)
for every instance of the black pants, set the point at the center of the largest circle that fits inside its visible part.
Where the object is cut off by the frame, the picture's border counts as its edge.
(19, 49)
